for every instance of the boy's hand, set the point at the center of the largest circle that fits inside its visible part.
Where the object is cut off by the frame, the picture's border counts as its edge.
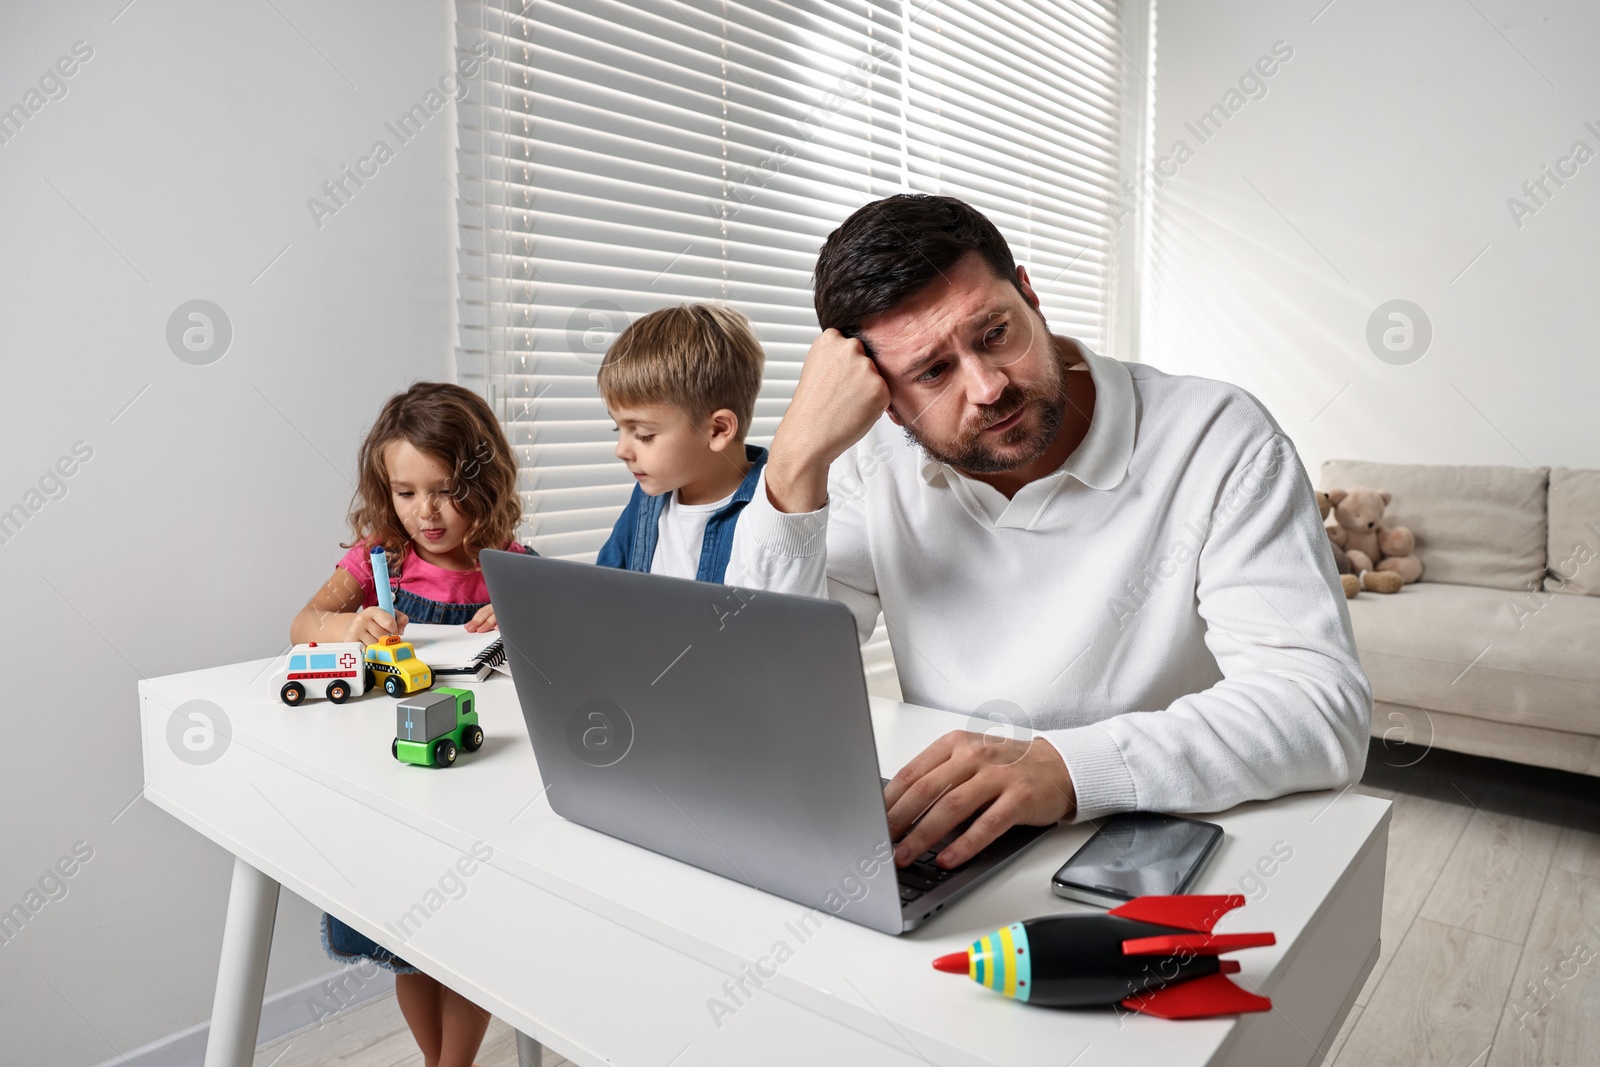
(369, 625)
(483, 621)
(839, 396)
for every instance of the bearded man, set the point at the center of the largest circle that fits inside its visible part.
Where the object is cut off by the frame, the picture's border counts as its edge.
(1130, 566)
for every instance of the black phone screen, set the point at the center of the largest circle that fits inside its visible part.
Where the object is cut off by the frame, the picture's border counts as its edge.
(1140, 854)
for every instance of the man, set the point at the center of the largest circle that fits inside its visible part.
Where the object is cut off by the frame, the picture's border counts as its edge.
(1131, 561)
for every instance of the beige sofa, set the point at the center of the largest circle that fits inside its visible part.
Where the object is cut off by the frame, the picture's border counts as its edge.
(1496, 651)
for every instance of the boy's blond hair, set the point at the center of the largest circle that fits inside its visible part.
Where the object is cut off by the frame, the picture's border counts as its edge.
(697, 357)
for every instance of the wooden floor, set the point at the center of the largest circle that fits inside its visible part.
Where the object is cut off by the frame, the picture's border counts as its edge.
(1491, 931)
(1491, 917)
(375, 1035)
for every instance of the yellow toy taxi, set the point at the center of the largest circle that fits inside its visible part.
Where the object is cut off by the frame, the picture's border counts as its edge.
(394, 660)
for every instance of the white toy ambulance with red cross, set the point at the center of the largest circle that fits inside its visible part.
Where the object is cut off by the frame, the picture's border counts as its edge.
(332, 669)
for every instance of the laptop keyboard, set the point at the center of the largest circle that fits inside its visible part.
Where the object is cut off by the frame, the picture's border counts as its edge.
(920, 875)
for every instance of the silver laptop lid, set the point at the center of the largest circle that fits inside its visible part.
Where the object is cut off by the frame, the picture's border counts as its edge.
(727, 728)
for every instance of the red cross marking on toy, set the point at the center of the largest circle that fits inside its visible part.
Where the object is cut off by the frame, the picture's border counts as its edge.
(347, 659)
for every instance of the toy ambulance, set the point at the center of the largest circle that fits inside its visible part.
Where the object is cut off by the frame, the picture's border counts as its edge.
(430, 730)
(331, 669)
(395, 661)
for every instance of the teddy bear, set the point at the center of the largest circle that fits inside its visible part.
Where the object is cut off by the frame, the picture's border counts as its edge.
(1374, 550)
(1349, 579)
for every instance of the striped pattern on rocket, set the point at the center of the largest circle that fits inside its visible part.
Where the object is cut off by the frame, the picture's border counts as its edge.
(1155, 955)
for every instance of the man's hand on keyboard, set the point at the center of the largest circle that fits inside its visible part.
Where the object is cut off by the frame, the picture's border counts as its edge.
(1021, 782)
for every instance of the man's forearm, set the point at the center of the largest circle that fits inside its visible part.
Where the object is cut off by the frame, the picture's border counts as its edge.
(799, 552)
(785, 552)
(795, 485)
(1244, 739)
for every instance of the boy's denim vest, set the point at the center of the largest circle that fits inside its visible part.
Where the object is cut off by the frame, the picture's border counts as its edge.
(632, 544)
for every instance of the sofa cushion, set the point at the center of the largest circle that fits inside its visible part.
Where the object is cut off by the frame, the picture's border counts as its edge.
(1527, 658)
(1474, 525)
(1574, 532)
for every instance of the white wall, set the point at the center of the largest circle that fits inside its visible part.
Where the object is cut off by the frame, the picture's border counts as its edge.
(1377, 166)
(177, 167)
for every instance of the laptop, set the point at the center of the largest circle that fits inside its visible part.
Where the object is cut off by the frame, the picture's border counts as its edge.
(726, 728)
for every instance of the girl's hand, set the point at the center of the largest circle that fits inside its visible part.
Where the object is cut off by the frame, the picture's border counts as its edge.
(483, 620)
(369, 625)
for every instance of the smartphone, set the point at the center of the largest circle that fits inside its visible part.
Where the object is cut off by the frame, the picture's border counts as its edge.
(1137, 854)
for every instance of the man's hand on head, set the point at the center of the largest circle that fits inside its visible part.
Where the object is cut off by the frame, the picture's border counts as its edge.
(1021, 781)
(839, 396)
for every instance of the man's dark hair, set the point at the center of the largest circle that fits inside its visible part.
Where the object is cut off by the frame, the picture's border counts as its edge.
(892, 249)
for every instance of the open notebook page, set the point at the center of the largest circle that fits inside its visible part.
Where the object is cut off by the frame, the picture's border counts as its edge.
(447, 647)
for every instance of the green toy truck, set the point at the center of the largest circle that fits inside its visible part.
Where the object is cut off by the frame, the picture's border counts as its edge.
(431, 729)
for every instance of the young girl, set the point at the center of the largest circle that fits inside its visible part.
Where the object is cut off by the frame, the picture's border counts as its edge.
(438, 484)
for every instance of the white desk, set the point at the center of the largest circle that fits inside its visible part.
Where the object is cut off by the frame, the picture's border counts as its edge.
(608, 953)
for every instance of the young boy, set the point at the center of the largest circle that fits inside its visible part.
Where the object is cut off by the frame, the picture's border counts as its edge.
(681, 385)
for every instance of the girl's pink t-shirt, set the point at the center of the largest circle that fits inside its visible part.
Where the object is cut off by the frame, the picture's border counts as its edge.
(419, 577)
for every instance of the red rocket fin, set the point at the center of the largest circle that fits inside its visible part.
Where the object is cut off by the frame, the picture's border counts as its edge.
(1214, 994)
(1196, 944)
(1197, 913)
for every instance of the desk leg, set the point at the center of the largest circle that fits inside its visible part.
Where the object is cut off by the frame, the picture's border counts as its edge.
(529, 1054)
(242, 971)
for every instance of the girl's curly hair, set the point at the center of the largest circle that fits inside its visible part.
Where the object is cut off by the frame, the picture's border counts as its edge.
(456, 427)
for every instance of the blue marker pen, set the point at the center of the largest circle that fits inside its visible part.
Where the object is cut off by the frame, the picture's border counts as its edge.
(380, 577)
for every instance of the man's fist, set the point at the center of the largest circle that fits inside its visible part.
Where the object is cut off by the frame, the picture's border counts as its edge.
(839, 396)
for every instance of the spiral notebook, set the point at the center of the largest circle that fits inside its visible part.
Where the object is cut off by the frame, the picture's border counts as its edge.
(455, 655)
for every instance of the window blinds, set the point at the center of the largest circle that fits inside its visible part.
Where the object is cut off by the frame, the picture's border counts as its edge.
(1013, 106)
(619, 157)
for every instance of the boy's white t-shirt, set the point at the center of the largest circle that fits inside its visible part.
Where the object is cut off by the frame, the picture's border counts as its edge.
(680, 534)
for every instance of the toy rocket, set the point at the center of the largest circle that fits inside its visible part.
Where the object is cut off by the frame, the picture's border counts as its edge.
(1155, 955)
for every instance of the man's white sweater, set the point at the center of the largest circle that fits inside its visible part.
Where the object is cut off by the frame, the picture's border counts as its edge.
(1163, 608)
